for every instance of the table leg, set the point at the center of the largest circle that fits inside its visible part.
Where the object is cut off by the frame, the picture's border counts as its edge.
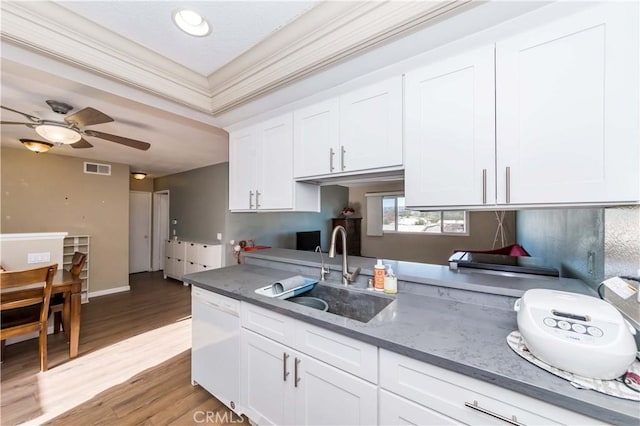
(74, 325)
(66, 315)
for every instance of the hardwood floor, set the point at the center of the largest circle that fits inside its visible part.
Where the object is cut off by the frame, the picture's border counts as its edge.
(133, 367)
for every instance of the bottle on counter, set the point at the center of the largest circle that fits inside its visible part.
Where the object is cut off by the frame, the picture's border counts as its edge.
(390, 281)
(378, 276)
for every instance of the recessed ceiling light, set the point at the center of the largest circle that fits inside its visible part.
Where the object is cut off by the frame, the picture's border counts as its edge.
(191, 22)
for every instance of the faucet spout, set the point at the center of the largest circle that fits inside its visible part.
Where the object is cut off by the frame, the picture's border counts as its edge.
(347, 278)
(324, 271)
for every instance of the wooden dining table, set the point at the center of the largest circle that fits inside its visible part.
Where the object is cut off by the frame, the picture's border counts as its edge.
(71, 286)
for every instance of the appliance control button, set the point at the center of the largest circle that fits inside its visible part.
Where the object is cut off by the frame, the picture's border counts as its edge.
(550, 322)
(594, 331)
(564, 325)
(579, 328)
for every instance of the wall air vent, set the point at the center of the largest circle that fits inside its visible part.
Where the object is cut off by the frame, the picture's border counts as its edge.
(97, 169)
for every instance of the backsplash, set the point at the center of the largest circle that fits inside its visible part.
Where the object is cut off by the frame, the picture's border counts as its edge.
(564, 239)
(570, 240)
(622, 241)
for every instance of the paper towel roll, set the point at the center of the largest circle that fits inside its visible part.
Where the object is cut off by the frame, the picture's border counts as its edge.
(288, 284)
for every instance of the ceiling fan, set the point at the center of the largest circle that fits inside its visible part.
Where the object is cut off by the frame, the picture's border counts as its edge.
(71, 130)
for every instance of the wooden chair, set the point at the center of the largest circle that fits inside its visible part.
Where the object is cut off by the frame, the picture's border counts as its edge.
(24, 305)
(57, 302)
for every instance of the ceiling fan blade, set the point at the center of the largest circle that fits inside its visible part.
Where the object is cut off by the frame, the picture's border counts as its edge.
(88, 117)
(81, 144)
(18, 122)
(119, 139)
(24, 114)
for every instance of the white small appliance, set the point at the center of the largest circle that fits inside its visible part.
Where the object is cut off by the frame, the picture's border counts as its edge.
(576, 333)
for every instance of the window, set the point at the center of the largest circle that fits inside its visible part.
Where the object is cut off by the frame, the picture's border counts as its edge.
(396, 218)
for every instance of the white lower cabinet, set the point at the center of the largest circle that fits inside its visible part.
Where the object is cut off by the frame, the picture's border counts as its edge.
(185, 257)
(395, 410)
(282, 386)
(460, 398)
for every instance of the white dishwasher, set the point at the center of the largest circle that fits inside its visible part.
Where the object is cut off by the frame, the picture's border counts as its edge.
(215, 345)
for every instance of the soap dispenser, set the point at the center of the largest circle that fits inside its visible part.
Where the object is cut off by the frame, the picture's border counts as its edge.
(390, 282)
(378, 276)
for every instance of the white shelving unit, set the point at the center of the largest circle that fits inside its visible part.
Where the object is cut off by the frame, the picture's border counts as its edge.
(72, 244)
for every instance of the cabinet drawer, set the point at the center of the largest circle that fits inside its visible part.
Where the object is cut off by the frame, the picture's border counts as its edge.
(345, 353)
(267, 323)
(447, 392)
(395, 410)
(210, 256)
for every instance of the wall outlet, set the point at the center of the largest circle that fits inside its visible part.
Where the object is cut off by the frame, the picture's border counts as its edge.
(219, 236)
(38, 257)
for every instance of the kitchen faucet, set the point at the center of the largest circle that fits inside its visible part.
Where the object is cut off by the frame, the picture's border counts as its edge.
(324, 271)
(347, 278)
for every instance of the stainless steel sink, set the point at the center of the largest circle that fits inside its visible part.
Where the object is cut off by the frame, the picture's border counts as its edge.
(358, 305)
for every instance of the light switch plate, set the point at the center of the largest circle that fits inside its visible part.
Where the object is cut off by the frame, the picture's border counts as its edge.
(219, 236)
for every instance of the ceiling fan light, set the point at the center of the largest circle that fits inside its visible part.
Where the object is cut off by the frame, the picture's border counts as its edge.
(36, 146)
(58, 134)
(138, 175)
(191, 22)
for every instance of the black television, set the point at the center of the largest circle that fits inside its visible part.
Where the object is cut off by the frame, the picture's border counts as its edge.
(307, 240)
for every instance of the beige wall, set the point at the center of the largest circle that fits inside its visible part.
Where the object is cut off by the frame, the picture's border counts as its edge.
(51, 193)
(144, 185)
(426, 248)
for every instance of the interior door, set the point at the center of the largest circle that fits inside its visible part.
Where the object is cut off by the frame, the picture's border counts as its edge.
(161, 228)
(139, 232)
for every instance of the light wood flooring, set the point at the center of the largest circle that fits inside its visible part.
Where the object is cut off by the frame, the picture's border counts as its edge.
(133, 367)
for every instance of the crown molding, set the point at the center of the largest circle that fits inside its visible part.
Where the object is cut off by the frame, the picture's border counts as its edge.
(55, 31)
(327, 34)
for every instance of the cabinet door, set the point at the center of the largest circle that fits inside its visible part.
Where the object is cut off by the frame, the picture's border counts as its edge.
(371, 127)
(266, 387)
(395, 410)
(315, 139)
(168, 267)
(275, 178)
(325, 395)
(567, 109)
(210, 256)
(243, 156)
(168, 248)
(450, 132)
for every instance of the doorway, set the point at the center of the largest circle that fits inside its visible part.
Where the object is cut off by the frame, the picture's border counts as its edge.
(139, 231)
(160, 227)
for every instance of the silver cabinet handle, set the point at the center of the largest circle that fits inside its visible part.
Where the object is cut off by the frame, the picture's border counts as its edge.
(484, 186)
(331, 154)
(508, 176)
(258, 199)
(296, 378)
(250, 199)
(342, 152)
(285, 373)
(513, 420)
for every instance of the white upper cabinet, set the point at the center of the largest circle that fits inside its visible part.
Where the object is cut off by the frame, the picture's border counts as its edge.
(316, 136)
(567, 110)
(243, 162)
(275, 172)
(371, 127)
(261, 170)
(358, 131)
(450, 132)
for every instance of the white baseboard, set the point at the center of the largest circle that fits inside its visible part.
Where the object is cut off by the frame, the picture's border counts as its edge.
(108, 291)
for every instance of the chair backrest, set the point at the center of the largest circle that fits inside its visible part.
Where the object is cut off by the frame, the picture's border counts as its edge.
(77, 263)
(20, 288)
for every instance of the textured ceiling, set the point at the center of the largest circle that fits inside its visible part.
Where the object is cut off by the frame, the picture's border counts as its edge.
(236, 26)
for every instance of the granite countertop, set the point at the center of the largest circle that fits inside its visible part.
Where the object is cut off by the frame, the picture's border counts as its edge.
(466, 337)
